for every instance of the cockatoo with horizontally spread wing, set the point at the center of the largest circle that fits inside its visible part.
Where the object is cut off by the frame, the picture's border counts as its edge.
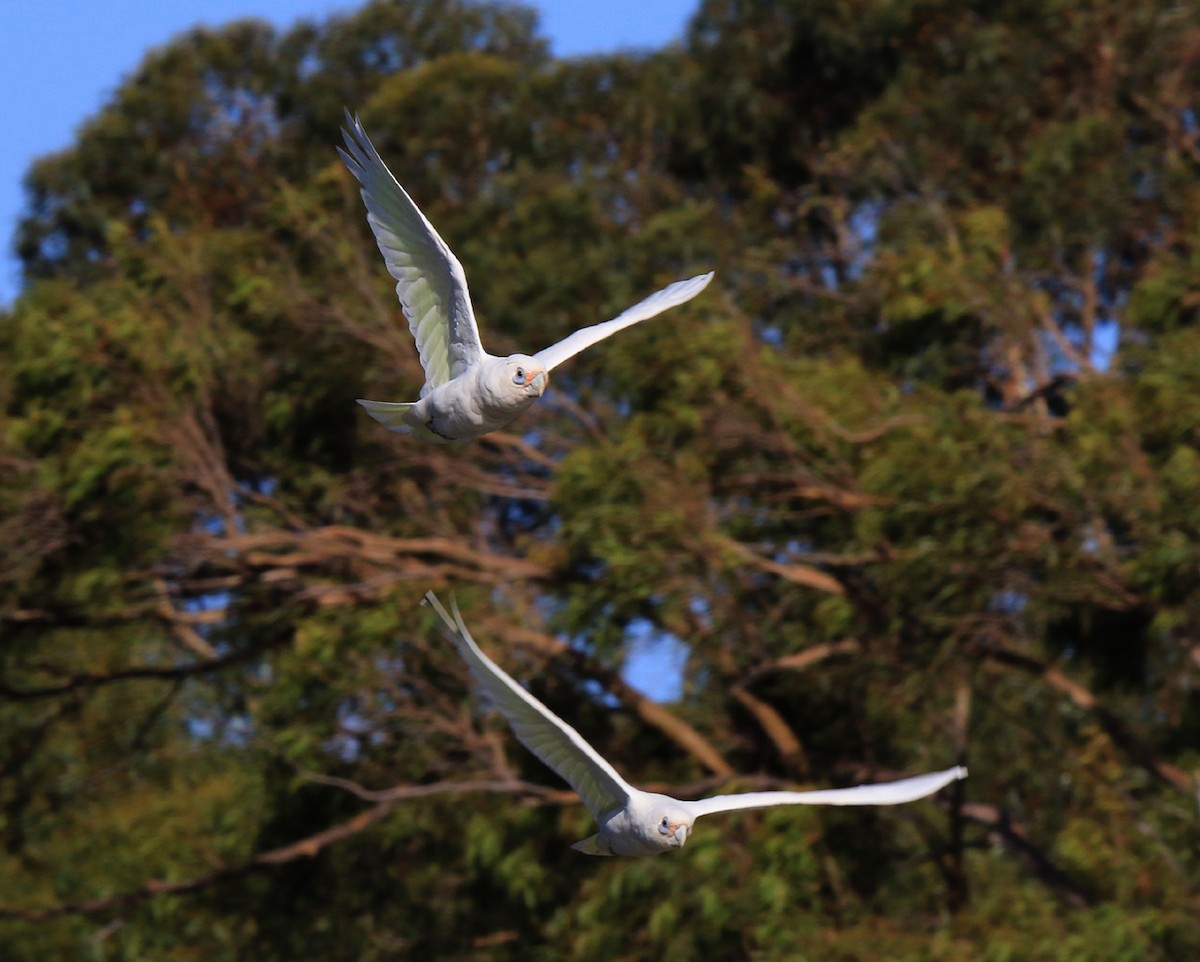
(467, 391)
(633, 822)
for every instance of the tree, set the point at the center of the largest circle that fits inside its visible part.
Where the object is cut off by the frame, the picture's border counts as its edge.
(912, 485)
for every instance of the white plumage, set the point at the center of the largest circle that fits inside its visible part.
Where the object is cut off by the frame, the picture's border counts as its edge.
(467, 391)
(633, 822)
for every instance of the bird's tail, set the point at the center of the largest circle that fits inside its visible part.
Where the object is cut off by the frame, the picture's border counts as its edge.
(389, 413)
(591, 846)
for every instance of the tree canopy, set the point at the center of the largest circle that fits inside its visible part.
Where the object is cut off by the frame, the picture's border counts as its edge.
(913, 483)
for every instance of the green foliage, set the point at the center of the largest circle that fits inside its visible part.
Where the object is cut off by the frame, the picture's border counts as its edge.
(913, 482)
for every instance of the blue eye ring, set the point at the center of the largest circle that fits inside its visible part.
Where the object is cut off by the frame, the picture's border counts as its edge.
(519, 376)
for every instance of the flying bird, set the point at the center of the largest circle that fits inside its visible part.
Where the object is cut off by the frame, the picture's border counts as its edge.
(467, 391)
(633, 822)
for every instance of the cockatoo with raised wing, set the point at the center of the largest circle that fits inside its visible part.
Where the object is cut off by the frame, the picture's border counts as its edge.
(467, 391)
(633, 822)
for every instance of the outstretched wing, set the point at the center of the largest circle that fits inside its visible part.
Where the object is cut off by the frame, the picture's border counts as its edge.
(430, 281)
(551, 739)
(670, 296)
(889, 793)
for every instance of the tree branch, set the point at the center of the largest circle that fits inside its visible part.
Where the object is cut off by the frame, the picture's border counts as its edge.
(385, 800)
(805, 659)
(1015, 837)
(796, 573)
(303, 848)
(791, 752)
(93, 680)
(1115, 728)
(650, 712)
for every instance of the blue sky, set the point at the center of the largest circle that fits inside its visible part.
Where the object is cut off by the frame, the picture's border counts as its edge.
(61, 59)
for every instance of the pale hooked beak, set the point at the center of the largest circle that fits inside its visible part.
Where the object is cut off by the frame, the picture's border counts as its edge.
(538, 381)
(680, 831)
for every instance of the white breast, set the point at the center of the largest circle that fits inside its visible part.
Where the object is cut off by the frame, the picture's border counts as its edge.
(476, 403)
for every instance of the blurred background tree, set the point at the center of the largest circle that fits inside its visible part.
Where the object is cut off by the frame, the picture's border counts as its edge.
(913, 483)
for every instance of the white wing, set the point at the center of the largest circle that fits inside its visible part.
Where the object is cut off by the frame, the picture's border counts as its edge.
(669, 296)
(551, 739)
(890, 793)
(430, 281)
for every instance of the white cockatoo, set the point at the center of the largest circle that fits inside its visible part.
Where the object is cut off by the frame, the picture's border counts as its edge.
(467, 391)
(633, 822)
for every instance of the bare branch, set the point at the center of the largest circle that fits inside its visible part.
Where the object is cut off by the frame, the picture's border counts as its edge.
(82, 680)
(503, 439)
(186, 634)
(1112, 725)
(1081, 361)
(303, 848)
(761, 483)
(650, 712)
(386, 800)
(796, 573)
(324, 545)
(399, 793)
(805, 659)
(1015, 837)
(791, 752)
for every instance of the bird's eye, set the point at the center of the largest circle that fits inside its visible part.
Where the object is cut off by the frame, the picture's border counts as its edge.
(519, 376)
(663, 827)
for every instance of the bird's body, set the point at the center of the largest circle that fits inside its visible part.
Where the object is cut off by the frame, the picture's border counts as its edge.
(633, 822)
(475, 403)
(467, 392)
(633, 830)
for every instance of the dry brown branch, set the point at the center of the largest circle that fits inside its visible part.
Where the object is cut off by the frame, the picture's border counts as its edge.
(181, 623)
(72, 617)
(385, 801)
(201, 457)
(798, 574)
(955, 869)
(805, 659)
(563, 401)
(1014, 836)
(791, 752)
(1116, 729)
(544, 795)
(962, 719)
(325, 545)
(303, 848)
(824, 423)
(83, 680)
(763, 482)
(521, 447)
(398, 793)
(493, 468)
(284, 513)
(1082, 363)
(1036, 396)
(650, 712)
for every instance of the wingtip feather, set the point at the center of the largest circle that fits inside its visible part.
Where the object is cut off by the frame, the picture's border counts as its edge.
(435, 602)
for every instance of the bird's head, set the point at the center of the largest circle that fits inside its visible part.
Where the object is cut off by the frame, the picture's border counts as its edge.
(527, 374)
(673, 828)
